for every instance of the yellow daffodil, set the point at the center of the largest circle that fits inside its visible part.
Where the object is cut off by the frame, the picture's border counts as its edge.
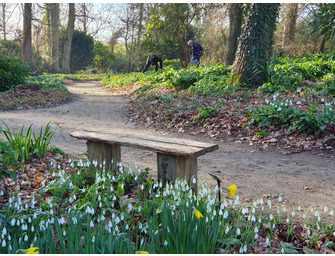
(198, 214)
(142, 252)
(32, 250)
(232, 190)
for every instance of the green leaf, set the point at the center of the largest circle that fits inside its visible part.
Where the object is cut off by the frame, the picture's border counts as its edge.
(311, 251)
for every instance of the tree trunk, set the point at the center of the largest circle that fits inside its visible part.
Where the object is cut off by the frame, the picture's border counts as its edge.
(255, 46)
(235, 22)
(47, 21)
(183, 60)
(3, 7)
(139, 34)
(54, 12)
(322, 45)
(27, 39)
(68, 40)
(290, 23)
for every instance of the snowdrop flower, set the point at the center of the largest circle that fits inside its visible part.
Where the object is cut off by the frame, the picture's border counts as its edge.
(91, 224)
(299, 208)
(331, 213)
(25, 238)
(326, 208)
(293, 214)
(130, 207)
(165, 243)
(225, 216)
(316, 214)
(288, 220)
(271, 216)
(222, 206)
(282, 250)
(245, 248)
(256, 229)
(299, 102)
(227, 230)
(256, 236)
(238, 231)
(117, 220)
(4, 243)
(267, 241)
(253, 218)
(194, 181)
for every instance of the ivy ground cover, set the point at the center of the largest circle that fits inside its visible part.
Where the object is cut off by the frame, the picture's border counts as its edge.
(292, 112)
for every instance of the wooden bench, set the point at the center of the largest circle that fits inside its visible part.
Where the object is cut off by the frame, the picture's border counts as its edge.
(176, 158)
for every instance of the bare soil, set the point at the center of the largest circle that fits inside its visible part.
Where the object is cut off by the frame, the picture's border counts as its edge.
(306, 178)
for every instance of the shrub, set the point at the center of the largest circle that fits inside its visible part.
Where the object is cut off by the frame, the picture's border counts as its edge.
(12, 72)
(82, 51)
(103, 59)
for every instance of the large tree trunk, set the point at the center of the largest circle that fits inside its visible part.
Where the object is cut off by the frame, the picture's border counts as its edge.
(255, 46)
(54, 13)
(68, 40)
(27, 48)
(235, 22)
(290, 23)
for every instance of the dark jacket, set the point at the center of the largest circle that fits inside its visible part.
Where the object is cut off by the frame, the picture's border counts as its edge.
(153, 60)
(196, 49)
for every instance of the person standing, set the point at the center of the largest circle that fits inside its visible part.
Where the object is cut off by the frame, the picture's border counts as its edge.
(153, 60)
(196, 52)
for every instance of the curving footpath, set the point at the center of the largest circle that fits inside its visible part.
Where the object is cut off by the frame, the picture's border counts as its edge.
(305, 178)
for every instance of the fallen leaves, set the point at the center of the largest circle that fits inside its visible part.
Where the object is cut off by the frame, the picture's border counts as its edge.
(29, 96)
(230, 122)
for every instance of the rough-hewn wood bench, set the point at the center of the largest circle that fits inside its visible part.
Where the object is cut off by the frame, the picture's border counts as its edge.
(176, 158)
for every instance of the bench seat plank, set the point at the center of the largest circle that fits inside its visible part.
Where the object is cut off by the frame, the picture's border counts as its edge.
(176, 147)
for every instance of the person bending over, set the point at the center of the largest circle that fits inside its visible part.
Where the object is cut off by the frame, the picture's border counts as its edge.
(153, 60)
(196, 52)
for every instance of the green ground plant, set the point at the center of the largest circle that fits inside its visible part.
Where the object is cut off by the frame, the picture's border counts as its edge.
(21, 146)
(99, 217)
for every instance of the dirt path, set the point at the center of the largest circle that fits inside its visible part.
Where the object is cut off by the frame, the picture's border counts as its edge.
(304, 178)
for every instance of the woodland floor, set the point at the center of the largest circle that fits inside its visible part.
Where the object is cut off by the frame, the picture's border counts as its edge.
(306, 178)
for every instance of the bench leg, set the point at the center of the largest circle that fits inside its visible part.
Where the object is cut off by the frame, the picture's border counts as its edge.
(172, 167)
(102, 151)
